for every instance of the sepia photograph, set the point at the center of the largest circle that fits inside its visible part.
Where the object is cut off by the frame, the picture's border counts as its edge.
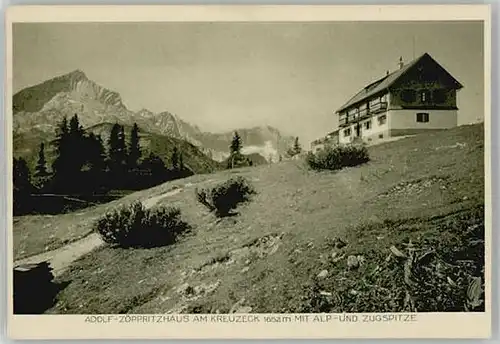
(249, 167)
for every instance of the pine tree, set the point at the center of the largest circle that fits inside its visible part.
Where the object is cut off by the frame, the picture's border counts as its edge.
(156, 167)
(122, 147)
(74, 127)
(154, 163)
(22, 186)
(117, 151)
(61, 148)
(75, 148)
(113, 144)
(100, 154)
(95, 153)
(235, 146)
(21, 176)
(134, 147)
(181, 162)
(69, 155)
(63, 129)
(235, 157)
(175, 159)
(297, 149)
(41, 165)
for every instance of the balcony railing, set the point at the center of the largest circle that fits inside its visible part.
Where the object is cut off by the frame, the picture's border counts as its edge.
(364, 113)
(378, 107)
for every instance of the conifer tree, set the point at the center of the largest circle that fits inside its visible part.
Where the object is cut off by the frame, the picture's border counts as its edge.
(75, 148)
(235, 156)
(175, 159)
(70, 157)
(181, 162)
(61, 148)
(297, 149)
(41, 165)
(235, 146)
(155, 165)
(117, 149)
(22, 186)
(122, 147)
(95, 153)
(134, 147)
(21, 176)
(75, 128)
(113, 144)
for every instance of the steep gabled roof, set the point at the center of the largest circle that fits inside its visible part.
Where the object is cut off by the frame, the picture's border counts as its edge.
(389, 80)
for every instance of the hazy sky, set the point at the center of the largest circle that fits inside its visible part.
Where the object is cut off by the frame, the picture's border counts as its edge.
(224, 75)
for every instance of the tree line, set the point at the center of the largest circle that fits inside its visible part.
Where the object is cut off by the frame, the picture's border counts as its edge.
(84, 164)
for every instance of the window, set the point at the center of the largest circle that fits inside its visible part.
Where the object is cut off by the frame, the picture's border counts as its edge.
(408, 96)
(368, 125)
(439, 96)
(347, 132)
(422, 117)
(425, 96)
(382, 119)
(381, 136)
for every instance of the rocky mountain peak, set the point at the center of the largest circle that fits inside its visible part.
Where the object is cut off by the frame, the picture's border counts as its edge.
(42, 107)
(76, 75)
(37, 97)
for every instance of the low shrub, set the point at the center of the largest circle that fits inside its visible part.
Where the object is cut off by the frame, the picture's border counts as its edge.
(136, 226)
(337, 157)
(225, 197)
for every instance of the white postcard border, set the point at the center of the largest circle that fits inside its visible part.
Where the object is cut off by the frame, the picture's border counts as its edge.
(427, 325)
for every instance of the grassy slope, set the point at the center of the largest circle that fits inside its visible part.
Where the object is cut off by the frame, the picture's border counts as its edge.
(282, 239)
(54, 231)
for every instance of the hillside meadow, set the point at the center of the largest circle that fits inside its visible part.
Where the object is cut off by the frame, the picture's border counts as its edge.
(307, 242)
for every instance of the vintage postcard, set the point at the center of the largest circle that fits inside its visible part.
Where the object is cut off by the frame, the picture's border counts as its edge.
(249, 171)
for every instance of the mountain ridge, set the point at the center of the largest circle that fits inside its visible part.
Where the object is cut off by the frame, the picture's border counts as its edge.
(44, 105)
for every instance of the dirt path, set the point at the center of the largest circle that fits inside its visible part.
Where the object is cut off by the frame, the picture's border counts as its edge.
(61, 258)
(151, 202)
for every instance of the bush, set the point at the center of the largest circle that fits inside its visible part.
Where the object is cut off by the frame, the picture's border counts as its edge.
(135, 226)
(337, 157)
(238, 160)
(225, 197)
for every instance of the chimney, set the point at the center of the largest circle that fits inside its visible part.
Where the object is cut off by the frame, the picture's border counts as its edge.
(400, 63)
(386, 72)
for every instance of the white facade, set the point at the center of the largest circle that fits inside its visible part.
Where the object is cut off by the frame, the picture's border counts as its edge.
(398, 122)
(437, 119)
(371, 129)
